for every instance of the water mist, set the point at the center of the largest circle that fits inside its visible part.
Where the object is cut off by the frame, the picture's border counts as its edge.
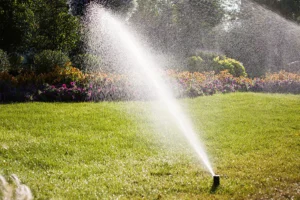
(120, 48)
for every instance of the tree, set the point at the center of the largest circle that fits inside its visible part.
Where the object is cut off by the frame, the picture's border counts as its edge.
(290, 9)
(36, 25)
(16, 24)
(195, 20)
(78, 6)
(178, 26)
(58, 30)
(260, 40)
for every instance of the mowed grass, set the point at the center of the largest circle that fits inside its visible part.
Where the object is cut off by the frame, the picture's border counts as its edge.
(115, 150)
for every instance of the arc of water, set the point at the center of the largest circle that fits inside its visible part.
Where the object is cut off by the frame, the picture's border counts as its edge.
(146, 68)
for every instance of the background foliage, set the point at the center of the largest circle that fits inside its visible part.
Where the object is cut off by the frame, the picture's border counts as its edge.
(179, 27)
(46, 61)
(70, 84)
(287, 8)
(31, 26)
(263, 40)
(254, 37)
(4, 61)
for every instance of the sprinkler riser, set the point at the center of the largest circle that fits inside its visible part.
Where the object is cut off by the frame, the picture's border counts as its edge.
(216, 180)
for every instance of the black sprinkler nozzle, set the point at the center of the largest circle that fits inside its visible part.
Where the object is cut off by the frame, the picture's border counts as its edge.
(216, 179)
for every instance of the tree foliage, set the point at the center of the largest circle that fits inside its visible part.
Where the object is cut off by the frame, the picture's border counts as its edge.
(262, 40)
(46, 60)
(287, 8)
(17, 24)
(4, 61)
(179, 26)
(36, 25)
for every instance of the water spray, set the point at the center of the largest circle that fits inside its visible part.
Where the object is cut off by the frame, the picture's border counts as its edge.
(110, 36)
(126, 7)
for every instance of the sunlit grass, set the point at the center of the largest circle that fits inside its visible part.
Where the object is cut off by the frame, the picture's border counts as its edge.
(113, 150)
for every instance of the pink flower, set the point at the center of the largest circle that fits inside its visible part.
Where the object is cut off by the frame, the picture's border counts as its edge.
(64, 85)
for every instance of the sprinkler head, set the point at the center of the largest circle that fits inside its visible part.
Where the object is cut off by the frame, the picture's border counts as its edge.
(216, 180)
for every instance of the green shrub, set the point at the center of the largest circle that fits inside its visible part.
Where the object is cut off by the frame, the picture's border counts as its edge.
(233, 66)
(16, 61)
(202, 61)
(208, 56)
(4, 61)
(46, 60)
(87, 62)
(196, 63)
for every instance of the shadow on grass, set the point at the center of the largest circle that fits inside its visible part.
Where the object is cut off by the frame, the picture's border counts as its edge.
(214, 188)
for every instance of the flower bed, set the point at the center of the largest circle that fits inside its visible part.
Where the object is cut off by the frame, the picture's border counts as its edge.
(71, 85)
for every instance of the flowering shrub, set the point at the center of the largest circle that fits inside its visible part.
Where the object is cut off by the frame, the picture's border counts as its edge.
(281, 82)
(57, 76)
(71, 85)
(281, 76)
(209, 83)
(6, 77)
(61, 93)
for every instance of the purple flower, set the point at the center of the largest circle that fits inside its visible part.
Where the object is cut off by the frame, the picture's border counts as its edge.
(64, 85)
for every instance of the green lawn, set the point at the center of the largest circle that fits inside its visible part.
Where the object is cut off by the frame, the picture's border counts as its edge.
(116, 150)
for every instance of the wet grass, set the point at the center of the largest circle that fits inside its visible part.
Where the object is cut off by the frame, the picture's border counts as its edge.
(114, 150)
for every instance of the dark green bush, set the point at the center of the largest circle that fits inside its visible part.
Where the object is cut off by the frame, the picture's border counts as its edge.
(87, 62)
(48, 59)
(4, 61)
(16, 61)
(196, 63)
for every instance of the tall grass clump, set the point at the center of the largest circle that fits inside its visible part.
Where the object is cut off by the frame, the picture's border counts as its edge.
(15, 190)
